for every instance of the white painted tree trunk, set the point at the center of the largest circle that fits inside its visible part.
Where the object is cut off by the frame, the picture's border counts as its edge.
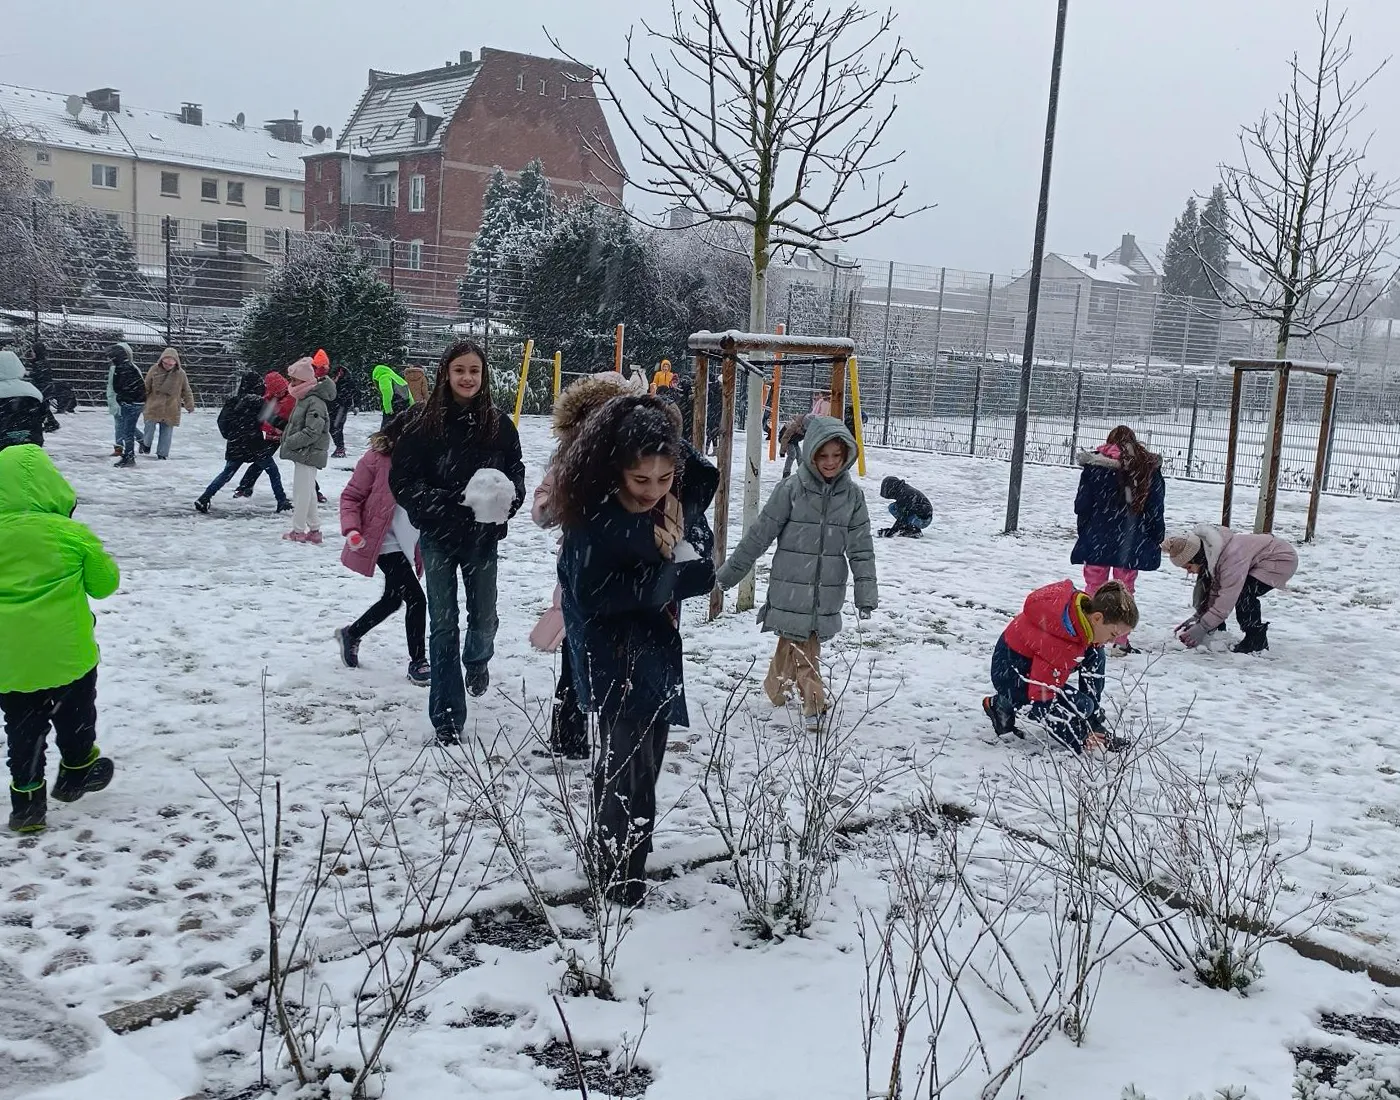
(753, 438)
(1261, 506)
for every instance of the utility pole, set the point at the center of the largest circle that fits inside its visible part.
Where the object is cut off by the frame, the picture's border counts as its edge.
(1023, 403)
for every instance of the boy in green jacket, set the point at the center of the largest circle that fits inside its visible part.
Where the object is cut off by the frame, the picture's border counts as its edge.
(394, 394)
(49, 566)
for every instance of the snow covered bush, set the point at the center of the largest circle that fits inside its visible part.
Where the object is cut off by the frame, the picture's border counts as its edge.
(1229, 1092)
(1365, 1077)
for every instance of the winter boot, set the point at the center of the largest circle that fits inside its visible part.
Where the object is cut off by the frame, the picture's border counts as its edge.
(143, 448)
(242, 492)
(28, 809)
(349, 647)
(478, 680)
(202, 506)
(339, 452)
(117, 450)
(1000, 722)
(420, 673)
(1256, 640)
(448, 738)
(74, 782)
(126, 460)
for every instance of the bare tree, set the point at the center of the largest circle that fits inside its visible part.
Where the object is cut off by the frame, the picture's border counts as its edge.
(1305, 210)
(768, 115)
(30, 237)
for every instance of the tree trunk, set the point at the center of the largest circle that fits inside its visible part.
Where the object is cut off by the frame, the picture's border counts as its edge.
(1266, 463)
(753, 437)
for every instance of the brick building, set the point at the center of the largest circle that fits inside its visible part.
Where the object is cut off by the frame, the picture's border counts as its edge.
(411, 166)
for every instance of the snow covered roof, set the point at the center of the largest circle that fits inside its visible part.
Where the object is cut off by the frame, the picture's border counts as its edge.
(1105, 272)
(132, 331)
(1139, 262)
(383, 120)
(42, 117)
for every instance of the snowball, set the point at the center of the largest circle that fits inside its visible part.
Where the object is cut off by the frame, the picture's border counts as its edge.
(684, 552)
(489, 495)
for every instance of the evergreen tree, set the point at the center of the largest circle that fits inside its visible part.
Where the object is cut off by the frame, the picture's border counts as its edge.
(1214, 246)
(1180, 265)
(533, 197)
(497, 221)
(108, 261)
(326, 295)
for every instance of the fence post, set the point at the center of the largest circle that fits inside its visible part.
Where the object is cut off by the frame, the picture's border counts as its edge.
(393, 260)
(937, 337)
(1385, 355)
(165, 229)
(1074, 332)
(1332, 403)
(987, 327)
(889, 364)
(976, 410)
(1078, 397)
(1112, 349)
(1191, 441)
(34, 235)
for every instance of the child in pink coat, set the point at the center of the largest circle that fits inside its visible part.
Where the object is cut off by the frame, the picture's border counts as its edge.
(1233, 570)
(378, 534)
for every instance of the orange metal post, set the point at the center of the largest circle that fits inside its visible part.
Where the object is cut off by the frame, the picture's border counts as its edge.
(617, 350)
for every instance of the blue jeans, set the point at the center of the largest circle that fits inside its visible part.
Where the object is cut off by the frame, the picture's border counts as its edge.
(167, 432)
(1072, 715)
(447, 697)
(224, 477)
(907, 519)
(126, 427)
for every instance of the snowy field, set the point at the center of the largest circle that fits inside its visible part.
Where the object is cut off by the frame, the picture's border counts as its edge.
(149, 885)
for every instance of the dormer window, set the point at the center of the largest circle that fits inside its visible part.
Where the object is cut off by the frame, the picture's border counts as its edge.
(420, 130)
(426, 119)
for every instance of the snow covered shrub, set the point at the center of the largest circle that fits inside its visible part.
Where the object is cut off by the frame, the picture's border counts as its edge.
(1365, 1077)
(1229, 1092)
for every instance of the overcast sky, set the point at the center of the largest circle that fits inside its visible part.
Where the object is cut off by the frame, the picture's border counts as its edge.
(1153, 93)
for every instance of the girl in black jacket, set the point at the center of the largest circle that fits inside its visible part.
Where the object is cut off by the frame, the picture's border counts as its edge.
(457, 432)
(625, 563)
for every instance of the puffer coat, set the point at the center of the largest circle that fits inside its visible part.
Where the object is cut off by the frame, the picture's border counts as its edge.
(1232, 557)
(1110, 532)
(167, 392)
(307, 438)
(819, 527)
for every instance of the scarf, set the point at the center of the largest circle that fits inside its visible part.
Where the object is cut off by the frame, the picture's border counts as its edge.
(299, 388)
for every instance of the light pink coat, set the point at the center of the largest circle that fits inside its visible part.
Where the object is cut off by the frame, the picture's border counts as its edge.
(1232, 557)
(367, 506)
(548, 634)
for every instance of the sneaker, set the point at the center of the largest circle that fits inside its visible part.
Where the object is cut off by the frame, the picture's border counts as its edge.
(420, 673)
(911, 533)
(125, 462)
(339, 452)
(28, 810)
(293, 536)
(248, 493)
(314, 537)
(282, 505)
(478, 680)
(999, 721)
(201, 506)
(145, 450)
(73, 783)
(320, 497)
(448, 738)
(349, 647)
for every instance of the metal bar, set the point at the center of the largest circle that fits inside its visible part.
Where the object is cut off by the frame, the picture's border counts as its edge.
(976, 411)
(889, 362)
(1385, 355)
(1232, 447)
(1330, 433)
(1074, 332)
(1324, 448)
(169, 335)
(699, 401)
(1112, 348)
(1269, 482)
(1078, 397)
(775, 423)
(987, 326)
(34, 236)
(724, 459)
(937, 337)
(1191, 441)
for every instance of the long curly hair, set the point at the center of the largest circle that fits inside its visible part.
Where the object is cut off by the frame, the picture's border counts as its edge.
(1136, 466)
(432, 420)
(620, 434)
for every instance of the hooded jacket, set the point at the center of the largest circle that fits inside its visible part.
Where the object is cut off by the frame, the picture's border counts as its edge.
(1054, 631)
(240, 421)
(49, 566)
(22, 409)
(394, 394)
(367, 505)
(307, 437)
(167, 392)
(1232, 557)
(907, 499)
(1110, 532)
(416, 379)
(128, 386)
(819, 527)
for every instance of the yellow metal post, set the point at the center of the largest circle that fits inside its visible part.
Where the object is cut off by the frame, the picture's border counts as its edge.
(524, 376)
(855, 413)
(558, 372)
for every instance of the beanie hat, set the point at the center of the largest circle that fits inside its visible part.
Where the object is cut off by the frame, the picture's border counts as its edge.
(321, 361)
(302, 370)
(1182, 549)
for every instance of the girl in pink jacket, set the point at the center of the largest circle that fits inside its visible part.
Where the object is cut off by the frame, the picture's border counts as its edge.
(1233, 571)
(378, 533)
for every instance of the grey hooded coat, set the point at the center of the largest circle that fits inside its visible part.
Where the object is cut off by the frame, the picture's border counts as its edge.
(307, 438)
(819, 526)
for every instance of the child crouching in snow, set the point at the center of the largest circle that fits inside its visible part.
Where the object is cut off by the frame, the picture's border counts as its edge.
(911, 510)
(49, 566)
(1059, 630)
(820, 522)
(1232, 570)
(378, 533)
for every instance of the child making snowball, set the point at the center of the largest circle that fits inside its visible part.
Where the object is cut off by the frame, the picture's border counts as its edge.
(307, 445)
(49, 566)
(624, 565)
(1233, 571)
(911, 509)
(820, 522)
(1060, 629)
(378, 533)
(240, 423)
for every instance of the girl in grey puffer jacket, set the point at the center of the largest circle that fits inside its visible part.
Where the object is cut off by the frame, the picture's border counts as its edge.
(820, 522)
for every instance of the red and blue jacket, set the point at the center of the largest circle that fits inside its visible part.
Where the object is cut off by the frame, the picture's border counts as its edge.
(1054, 631)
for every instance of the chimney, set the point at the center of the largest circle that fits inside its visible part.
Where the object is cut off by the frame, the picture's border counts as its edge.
(192, 114)
(105, 99)
(1127, 249)
(465, 57)
(1093, 260)
(285, 129)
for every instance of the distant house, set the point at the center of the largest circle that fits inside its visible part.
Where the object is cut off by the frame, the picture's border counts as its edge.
(411, 167)
(1146, 272)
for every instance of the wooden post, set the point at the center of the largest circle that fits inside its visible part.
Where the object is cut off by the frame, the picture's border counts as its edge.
(1269, 478)
(855, 416)
(558, 372)
(524, 376)
(617, 349)
(699, 402)
(1191, 443)
(1329, 395)
(838, 388)
(1232, 447)
(776, 423)
(724, 459)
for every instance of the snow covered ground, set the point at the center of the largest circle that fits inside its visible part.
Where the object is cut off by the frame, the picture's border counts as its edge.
(149, 885)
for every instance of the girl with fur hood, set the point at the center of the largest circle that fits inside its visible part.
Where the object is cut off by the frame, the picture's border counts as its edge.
(1233, 571)
(167, 392)
(624, 566)
(820, 522)
(306, 444)
(1121, 513)
(378, 534)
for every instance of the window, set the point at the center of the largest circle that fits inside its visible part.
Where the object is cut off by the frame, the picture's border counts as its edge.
(520, 83)
(209, 233)
(330, 195)
(318, 171)
(386, 192)
(564, 91)
(377, 252)
(272, 198)
(272, 242)
(105, 176)
(544, 87)
(296, 199)
(417, 193)
(43, 189)
(420, 130)
(235, 194)
(209, 190)
(42, 156)
(170, 184)
(415, 255)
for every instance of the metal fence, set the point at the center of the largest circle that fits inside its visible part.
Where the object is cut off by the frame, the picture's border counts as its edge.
(939, 349)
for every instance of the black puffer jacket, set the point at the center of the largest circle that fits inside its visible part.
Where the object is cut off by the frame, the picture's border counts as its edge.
(240, 421)
(128, 383)
(906, 498)
(429, 475)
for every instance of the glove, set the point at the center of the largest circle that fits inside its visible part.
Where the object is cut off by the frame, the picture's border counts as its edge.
(1193, 635)
(355, 540)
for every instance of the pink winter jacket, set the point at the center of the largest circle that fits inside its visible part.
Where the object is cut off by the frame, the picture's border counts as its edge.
(367, 506)
(548, 634)
(1232, 557)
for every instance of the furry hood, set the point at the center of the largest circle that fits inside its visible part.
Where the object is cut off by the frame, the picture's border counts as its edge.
(1097, 458)
(12, 381)
(584, 397)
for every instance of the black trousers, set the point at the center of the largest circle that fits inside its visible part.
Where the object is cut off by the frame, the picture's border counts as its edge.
(568, 726)
(71, 710)
(1248, 612)
(624, 791)
(338, 415)
(401, 589)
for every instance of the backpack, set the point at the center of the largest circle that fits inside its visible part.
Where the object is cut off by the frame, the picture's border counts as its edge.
(402, 399)
(226, 422)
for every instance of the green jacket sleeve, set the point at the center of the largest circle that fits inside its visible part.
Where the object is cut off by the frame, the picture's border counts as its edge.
(385, 382)
(100, 573)
(860, 550)
(759, 537)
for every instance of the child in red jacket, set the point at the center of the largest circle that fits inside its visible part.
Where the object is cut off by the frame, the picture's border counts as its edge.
(1059, 631)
